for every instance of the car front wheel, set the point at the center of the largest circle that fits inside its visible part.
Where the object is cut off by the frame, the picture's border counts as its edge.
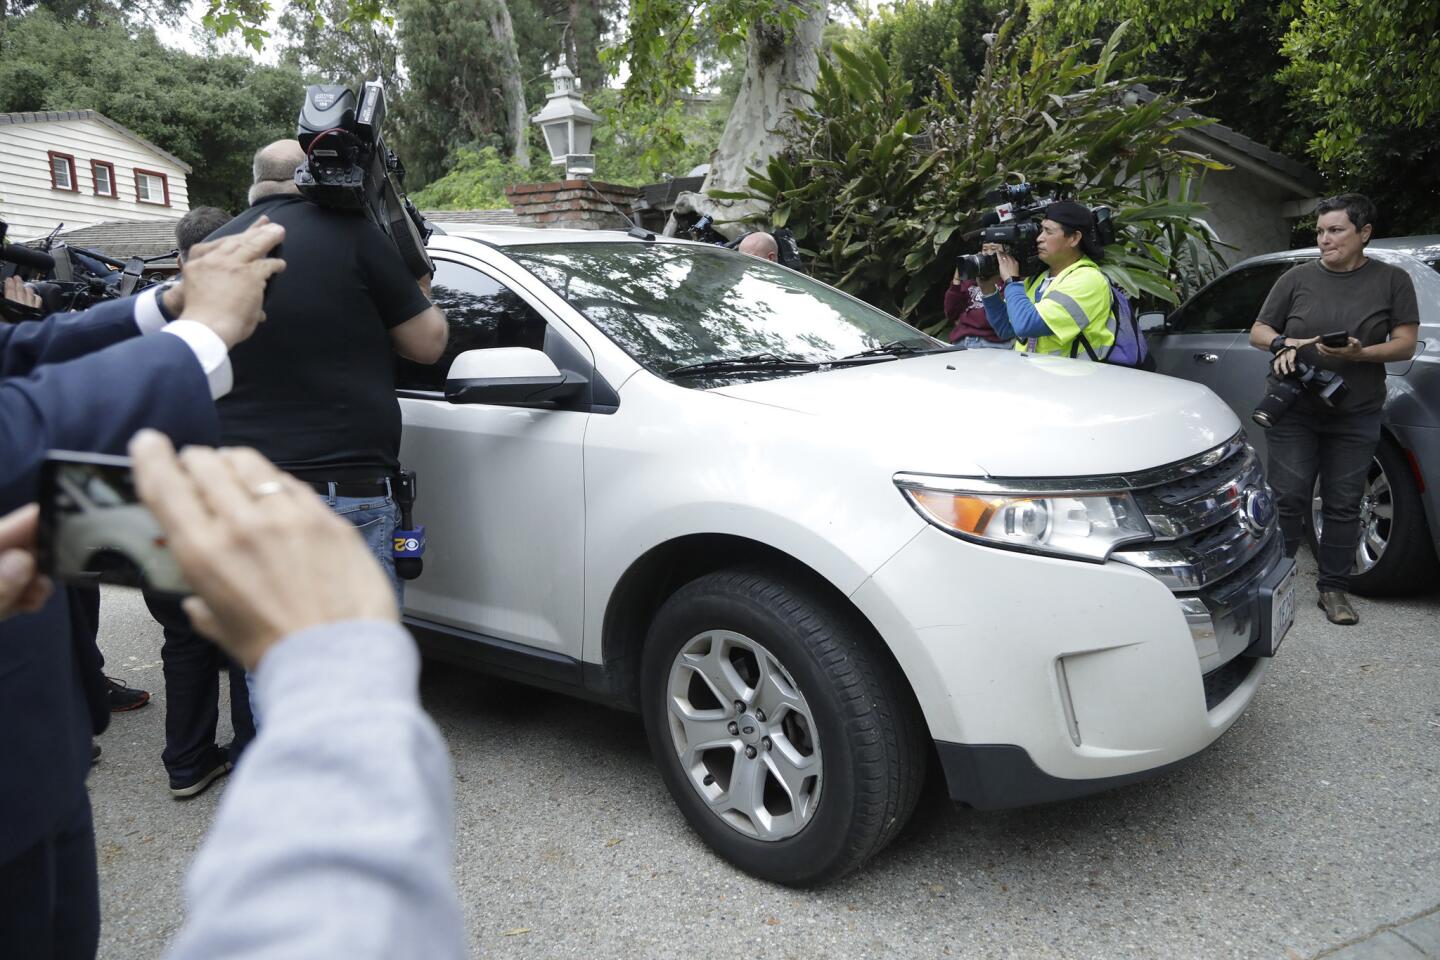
(788, 742)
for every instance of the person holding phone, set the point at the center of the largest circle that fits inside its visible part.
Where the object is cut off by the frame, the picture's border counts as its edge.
(88, 381)
(1351, 314)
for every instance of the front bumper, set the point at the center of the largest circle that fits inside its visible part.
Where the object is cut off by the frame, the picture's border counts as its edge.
(1043, 678)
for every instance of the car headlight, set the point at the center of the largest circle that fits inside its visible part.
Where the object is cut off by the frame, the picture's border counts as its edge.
(1036, 517)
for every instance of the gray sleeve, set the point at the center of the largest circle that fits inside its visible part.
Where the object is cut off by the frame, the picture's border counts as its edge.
(1276, 310)
(335, 835)
(1403, 306)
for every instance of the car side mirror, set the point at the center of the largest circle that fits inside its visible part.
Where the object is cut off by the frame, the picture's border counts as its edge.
(1152, 322)
(510, 376)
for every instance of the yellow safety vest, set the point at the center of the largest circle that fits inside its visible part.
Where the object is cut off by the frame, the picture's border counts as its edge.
(1077, 299)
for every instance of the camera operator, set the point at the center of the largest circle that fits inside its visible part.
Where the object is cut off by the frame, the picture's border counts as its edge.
(315, 393)
(965, 309)
(1051, 311)
(1373, 304)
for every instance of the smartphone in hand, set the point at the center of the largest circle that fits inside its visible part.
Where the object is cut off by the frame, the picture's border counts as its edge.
(93, 527)
(1337, 340)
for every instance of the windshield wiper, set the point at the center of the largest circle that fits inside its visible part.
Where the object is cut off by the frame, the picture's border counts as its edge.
(752, 361)
(895, 348)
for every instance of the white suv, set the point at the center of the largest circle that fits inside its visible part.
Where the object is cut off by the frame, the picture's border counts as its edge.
(811, 545)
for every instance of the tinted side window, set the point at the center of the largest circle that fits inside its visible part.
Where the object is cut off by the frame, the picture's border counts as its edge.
(1230, 304)
(482, 313)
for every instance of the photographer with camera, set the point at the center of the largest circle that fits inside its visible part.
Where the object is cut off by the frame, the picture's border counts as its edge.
(1060, 310)
(1332, 324)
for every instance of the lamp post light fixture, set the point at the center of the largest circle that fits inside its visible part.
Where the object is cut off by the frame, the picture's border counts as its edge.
(568, 124)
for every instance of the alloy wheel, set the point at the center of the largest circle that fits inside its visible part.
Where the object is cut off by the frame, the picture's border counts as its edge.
(744, 734)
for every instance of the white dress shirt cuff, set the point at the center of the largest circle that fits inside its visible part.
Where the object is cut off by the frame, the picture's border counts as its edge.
(208, 348)
(149, 315)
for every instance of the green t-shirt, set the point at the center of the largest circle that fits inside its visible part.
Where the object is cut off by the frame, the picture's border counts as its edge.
(1368, 303)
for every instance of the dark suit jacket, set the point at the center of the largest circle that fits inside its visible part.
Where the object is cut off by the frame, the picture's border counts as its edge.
(75, 382)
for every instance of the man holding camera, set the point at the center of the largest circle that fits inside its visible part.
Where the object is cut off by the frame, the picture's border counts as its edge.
(316, 395)
(1348, 314)
(1061, 310)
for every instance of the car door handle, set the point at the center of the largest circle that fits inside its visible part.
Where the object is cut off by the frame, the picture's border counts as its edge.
(1207, 358)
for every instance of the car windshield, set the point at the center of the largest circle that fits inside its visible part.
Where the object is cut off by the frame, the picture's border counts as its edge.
(673, 306)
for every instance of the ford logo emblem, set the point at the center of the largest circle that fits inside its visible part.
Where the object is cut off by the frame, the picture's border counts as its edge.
(1258, 511)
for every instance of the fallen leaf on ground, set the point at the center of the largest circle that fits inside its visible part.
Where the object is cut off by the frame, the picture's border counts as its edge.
(613, 841)
(772, 922)
(516, 932)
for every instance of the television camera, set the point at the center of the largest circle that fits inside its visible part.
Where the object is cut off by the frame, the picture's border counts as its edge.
(67, 277)
(1015, 224)
(348, 167)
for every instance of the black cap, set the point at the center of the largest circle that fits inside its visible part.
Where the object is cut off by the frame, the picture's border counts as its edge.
(1068, 213)
(1074, 216)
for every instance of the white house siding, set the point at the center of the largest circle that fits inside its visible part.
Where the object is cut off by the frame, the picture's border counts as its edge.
(32, 207)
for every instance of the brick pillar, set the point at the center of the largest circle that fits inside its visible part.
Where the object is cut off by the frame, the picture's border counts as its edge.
(572, 204)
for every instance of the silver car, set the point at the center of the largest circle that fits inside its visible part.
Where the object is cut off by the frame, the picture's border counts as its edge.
(1207, 340)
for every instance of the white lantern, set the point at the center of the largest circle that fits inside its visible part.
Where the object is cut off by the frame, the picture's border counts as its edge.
(568, 124)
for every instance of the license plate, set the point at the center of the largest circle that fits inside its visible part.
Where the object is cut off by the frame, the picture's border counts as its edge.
(1282, 610)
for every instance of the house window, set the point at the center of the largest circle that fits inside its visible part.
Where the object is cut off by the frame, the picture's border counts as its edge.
(152, 187)
(104, 176)
(62, 171)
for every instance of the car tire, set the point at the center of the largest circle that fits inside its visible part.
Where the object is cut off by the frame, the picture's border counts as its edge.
(1407, 562)
(845, 700)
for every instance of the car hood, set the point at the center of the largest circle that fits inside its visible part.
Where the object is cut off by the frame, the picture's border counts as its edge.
(1002, 414)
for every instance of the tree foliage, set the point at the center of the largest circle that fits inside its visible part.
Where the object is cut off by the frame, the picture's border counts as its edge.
(661, 44)
(881, 194)
(924, 38)
(1356, 85)
(212, 112)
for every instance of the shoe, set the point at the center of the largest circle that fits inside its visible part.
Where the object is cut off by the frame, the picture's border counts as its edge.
(1337, 608)
(123, 698)
(218, 766)
(94, 752)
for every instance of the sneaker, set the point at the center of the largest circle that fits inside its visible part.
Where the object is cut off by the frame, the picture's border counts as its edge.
(1337, 608)
(218, 765)
(123, 698)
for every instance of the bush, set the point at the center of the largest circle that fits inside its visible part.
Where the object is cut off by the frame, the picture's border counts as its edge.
(881, 194)
(476, 181)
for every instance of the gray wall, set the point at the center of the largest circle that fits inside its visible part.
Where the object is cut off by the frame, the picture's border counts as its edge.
(1245, 210)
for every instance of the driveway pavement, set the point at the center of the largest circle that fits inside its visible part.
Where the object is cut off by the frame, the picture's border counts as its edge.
(1311, 829)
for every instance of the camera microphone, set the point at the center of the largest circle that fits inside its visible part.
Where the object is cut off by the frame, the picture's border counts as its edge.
(27, 257)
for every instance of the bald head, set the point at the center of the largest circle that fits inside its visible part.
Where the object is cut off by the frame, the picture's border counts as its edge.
(760, 244)
(274, 168)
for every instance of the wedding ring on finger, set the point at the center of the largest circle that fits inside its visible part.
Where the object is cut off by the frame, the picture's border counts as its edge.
(267, 488)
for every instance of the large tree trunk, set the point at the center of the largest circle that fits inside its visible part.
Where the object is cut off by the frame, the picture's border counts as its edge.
(512, 85)
(780, 67)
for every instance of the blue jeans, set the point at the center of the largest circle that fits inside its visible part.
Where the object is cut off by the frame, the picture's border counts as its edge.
(983, 344)
(376, 518)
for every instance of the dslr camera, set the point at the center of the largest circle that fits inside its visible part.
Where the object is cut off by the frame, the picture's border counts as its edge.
(348, 167)
(1015, 224)
(1327, 386)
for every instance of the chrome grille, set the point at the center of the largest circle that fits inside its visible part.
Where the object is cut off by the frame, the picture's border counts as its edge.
(1196, 509)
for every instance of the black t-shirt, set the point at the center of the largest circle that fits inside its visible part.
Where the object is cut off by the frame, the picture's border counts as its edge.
(315, 385)
(1368, 303)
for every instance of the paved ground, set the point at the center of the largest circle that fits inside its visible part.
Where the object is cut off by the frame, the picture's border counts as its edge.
(1312, 829)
